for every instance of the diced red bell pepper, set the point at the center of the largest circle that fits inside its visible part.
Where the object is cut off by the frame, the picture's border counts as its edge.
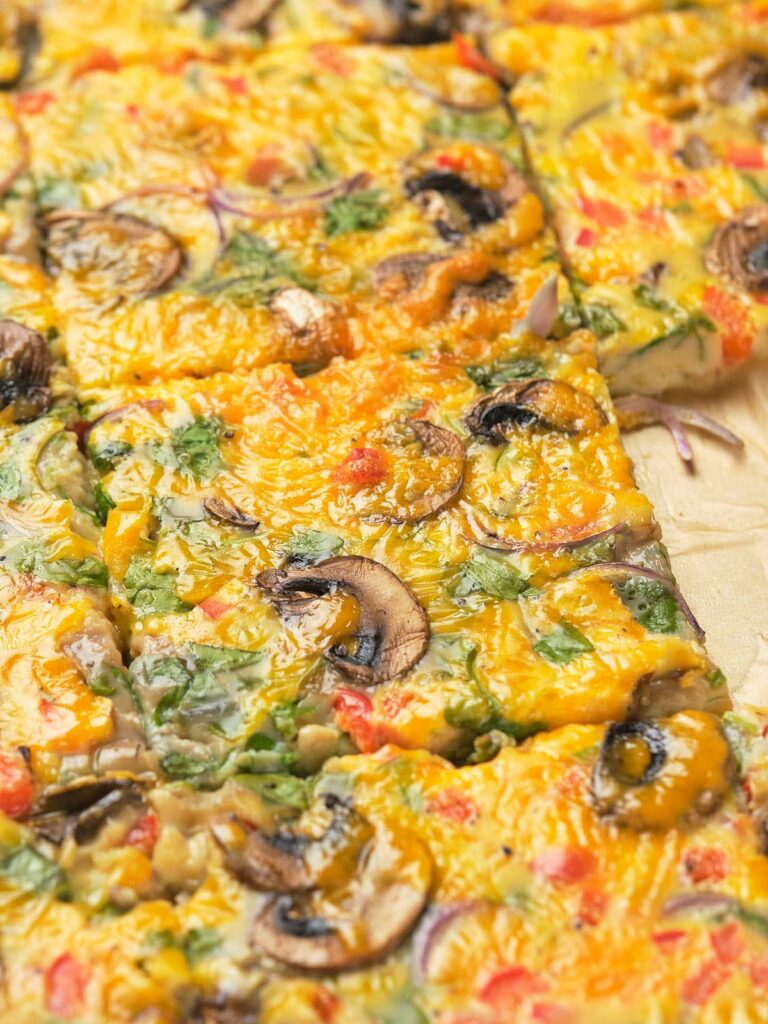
(737, 330)
(509, 986)
(469, 55)
(607, 214)
(454, 805)
(564, 865)
(353, 715)
(363, 467)
(705, 864)
(214, 607)
(64, 984)
(586, 237)
(746, 157)
(16, 790)
(34, 102)
(728, 942)
(143, 835)
(699, 988)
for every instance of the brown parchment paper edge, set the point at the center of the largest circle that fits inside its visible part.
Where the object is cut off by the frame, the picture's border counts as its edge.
(715, 525)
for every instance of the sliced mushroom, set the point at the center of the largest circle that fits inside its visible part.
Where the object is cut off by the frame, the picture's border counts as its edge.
(343, 899)
(25, 366)
(425, 500)
(239, 15)
(737, 77)
(452, 204)
(412, 22)
(664, 774)
(393, 629)
(223, 1009)
(316, 326)
(696, 153)
(738, 251)
(82, 808)
(551, 404)
(227, 512)
(423, 281)
(115, 251)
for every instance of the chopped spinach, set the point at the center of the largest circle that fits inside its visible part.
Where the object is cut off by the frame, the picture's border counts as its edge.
(103, 503)
(651, 604)
(306, 547)
(199, 943)
(278, 789)
(105, 457)
(32, 871)
(459, 125)
(29, 557)
(108, 680)
(149, 592)
(358, 211)
(179, 766)
(11, 486)
(250, 270)
(692, 325)
(649, 297)
(490, 575)
(502, 371)
(564, 643)
(196, 447)
(603, 320)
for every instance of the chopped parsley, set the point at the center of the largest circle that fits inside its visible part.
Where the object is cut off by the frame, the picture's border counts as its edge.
(358, 211)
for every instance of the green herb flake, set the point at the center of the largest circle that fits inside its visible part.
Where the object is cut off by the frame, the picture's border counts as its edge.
(309, 546)
(105, 457)
(603, 320)
(715, 678)
(32, 871)
(108, 680)
(651, 604)
(250, 270)
(563, 644)
(30, 558)
(199, 943)
(149, 592)
(490, 575)
(358, 211)
(103, 503)
(502, 371)
(459, 125)
(11, 486)
(179, 766)
(196, 447)
(278, 789)
(649, 297)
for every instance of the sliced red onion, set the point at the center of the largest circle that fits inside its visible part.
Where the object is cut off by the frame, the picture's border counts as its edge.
(634, 410)
(430, 929)
(699, 901)
(543, 310)
(625, 569)
(496, 543)
(229, 201)
(150, 404)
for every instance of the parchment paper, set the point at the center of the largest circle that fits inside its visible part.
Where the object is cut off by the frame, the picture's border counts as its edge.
(715, 524)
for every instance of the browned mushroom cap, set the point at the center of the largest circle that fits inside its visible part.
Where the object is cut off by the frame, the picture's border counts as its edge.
(551, 404)
(734, 79)
(290, 861)
(393, 629)
(455, 206)
(316, 326)
(228, 1010)
(413, 22)
(413, 275)
(696, 153)
(25, 366)
(344, 899)
(239, 14)
(425, 499)
(116, 251)
(227, 512)
(662, 774)
(738, 250)
(82, 808)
